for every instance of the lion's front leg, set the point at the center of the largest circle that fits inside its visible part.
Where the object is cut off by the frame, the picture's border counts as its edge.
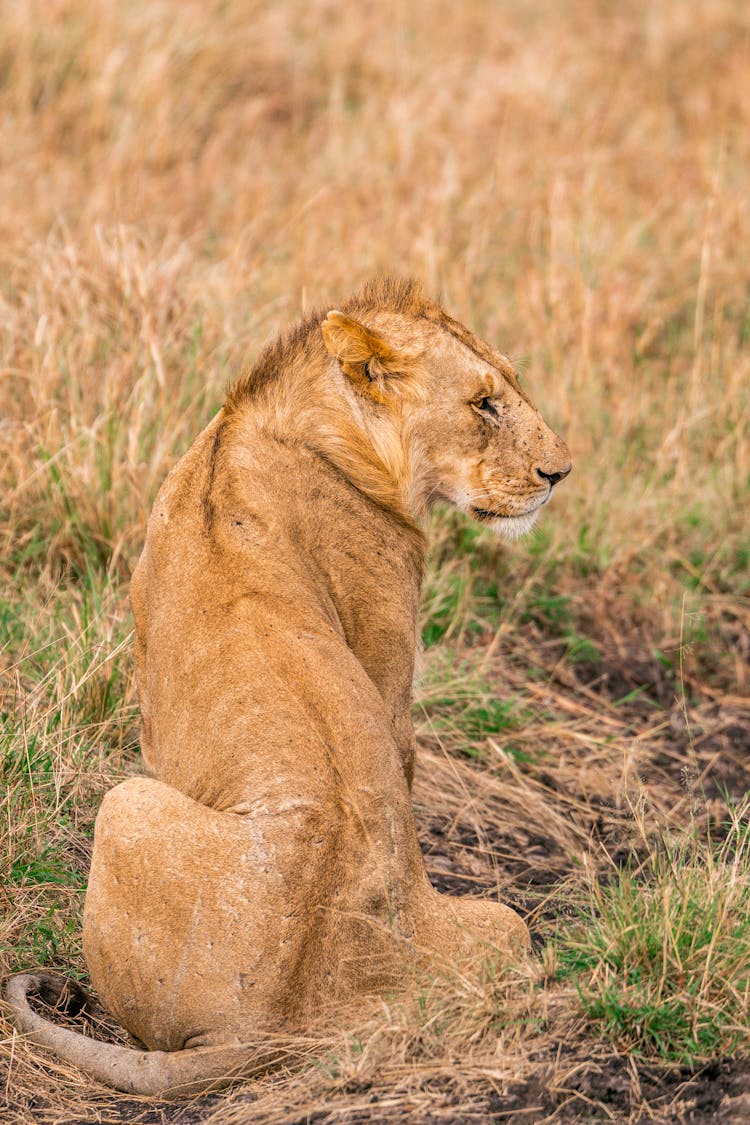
(455, 929)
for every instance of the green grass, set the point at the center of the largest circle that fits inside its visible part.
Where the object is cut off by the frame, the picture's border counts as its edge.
(461, 596)
(460, 706)
(68, 731)
(660, 954)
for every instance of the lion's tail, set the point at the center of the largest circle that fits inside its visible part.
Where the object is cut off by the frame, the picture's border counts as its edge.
(171, 1073)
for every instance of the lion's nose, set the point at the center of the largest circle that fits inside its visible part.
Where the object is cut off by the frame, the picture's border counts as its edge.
(554, 478)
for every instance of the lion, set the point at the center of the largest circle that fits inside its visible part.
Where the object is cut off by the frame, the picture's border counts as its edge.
(270, 864)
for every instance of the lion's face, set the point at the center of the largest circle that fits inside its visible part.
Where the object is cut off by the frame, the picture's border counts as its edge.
(489, 450)
(474, 437)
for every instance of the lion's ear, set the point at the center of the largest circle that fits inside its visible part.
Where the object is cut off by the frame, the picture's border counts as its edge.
(373, 365)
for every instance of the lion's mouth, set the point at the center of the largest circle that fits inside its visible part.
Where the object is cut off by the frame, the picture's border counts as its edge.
(487, 514)
(511, 527)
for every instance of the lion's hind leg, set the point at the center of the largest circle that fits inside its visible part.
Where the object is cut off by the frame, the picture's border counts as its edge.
(178, 918)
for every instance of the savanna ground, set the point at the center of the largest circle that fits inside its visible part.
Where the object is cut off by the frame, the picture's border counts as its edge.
(177, 182)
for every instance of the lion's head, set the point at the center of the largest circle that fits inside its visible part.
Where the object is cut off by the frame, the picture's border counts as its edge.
(454, 403)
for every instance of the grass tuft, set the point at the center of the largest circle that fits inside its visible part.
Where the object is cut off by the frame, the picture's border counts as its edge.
(660, 952)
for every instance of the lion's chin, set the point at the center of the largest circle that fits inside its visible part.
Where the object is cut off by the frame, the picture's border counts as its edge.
(510, 527)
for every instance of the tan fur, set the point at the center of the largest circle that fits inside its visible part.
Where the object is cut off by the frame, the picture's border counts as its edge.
(271, 864)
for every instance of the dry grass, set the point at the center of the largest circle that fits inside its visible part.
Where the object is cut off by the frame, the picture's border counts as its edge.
(179, 181)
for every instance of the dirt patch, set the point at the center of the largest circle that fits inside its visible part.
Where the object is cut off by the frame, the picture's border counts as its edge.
(574, 1088)
(707, 751)
(459, 862)
(566, 1087)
